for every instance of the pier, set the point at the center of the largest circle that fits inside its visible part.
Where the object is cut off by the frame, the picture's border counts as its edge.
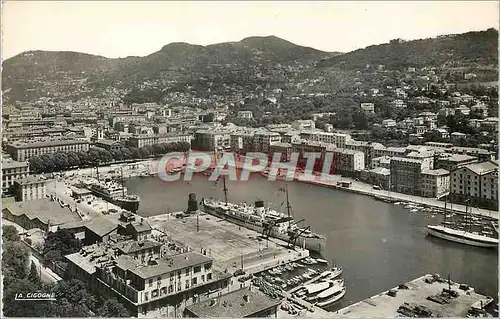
(416, 293)
(232, 247)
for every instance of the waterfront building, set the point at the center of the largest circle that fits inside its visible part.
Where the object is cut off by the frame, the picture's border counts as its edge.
(348, 162)
(242, 141)
(406, 174)
(379, 176)
(142, 286)
(361, 146)
(284, 148)
(30, 188)
(477, 182)
(264, 139)
(451, 162)
(147, 139)
(382, 161)
(435, 183)
(242, 303)
(211, 140)
(12, 171)
(22, 151)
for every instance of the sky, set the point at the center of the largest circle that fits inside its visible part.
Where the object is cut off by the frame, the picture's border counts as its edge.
(126, 28)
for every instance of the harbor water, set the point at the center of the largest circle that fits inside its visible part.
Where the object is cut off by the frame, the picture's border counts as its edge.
(379, 245)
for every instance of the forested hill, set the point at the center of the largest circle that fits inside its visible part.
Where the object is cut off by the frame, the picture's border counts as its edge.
(467, 49)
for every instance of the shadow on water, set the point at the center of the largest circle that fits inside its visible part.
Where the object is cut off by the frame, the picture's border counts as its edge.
(379, 245)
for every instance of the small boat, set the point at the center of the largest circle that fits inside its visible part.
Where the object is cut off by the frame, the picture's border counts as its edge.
(289, 267)
(283, 286)
(307, 276)
(334, 285)
(321, 261)
(312, 271)
(414, 210)
(331, 274)
(323, 302)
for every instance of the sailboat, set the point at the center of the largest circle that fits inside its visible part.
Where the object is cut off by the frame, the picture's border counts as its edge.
(463, 236)
(265, 220)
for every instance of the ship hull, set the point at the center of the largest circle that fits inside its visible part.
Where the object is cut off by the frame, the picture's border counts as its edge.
(459, 239)
(312, 244)
(332, 299)
(130, 205)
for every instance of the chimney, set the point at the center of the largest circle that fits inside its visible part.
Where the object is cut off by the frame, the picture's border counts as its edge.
(246, 298)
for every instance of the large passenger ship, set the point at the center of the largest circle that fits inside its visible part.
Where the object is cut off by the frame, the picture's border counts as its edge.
(266, 221)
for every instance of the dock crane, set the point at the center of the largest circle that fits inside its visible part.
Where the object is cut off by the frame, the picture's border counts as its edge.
(294, 235)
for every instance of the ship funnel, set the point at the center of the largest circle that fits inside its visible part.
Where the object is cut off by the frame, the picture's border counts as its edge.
(259, 207)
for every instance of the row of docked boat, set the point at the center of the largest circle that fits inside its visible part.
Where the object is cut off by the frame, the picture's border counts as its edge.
(325, 291)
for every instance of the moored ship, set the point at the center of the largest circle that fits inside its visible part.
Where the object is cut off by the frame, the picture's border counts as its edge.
(114, 193)
(266, 221)
(461, 233)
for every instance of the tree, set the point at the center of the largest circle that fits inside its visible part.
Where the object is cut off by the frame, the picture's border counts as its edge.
(9, 233)
(73, 299)
(33, 276)
(15, 256)
(14, 308)
(60, 244)
(112, 308)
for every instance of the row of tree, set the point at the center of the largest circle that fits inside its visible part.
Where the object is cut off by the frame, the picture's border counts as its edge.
(63, 160)
(21, 276)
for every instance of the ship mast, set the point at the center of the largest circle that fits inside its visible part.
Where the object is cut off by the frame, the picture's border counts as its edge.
(123, 187)
(288, 206)
(224, 188)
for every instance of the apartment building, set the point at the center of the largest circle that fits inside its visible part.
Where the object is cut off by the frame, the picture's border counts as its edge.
(406, 174)
(12, 171)
(477, 182)
(30, 188)
(242, 141)
(144, 286)
(143, 140)
(361, 146)
(338, 139)
(22, 151)
(347, 162)
(264, 139)
(435, 183)
(211, 140)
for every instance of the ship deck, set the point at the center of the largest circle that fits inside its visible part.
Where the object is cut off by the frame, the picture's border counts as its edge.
(227, 243)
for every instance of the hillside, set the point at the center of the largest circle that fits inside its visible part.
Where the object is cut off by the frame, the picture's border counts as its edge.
(480, 48)
(42, 72)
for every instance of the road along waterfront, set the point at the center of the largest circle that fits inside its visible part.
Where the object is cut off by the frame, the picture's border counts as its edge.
(379, 245)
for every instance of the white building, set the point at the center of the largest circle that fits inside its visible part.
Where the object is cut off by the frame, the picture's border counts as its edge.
(368, 107)
(389, 123)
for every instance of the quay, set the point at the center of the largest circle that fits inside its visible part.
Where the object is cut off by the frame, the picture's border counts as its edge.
(416, 293)
(232, 247)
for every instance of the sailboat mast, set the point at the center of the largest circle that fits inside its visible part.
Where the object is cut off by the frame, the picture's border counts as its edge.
(225, 188)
